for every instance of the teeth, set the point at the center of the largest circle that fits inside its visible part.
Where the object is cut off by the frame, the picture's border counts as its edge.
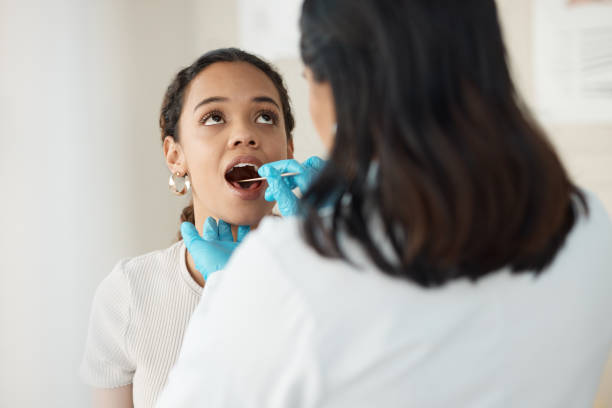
(246, 164)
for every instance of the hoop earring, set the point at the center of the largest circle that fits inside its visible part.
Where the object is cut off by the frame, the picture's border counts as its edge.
(179, 185)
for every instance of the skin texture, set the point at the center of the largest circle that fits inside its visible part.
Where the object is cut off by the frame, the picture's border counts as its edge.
(120, 397)
(321, 106)
(238, 126)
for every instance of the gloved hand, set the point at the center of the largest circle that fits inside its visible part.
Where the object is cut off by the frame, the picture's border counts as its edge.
(212, 250)
(279, 188)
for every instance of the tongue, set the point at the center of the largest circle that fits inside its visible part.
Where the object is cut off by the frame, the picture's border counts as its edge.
(243, 173)
(251, 185)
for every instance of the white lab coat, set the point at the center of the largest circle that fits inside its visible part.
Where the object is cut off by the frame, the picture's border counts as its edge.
(284, 327)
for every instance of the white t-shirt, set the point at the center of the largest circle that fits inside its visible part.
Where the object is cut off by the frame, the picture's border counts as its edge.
(138, 318)
(283, 327)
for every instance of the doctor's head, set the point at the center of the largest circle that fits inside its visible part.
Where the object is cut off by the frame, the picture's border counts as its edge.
(415, 103)
(221, 118)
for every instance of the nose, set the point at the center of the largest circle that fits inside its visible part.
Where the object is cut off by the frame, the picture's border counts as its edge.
(243, 136)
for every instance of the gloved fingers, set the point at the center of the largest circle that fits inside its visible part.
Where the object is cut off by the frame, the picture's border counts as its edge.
(307, 171)
(225, 231)
(312, 167)
(278, 191)
(191, 236)
(282, 166)
(210, 230)
(290, 182)
(304, 180)
(242, 231)
(314, 162)
(273, 178)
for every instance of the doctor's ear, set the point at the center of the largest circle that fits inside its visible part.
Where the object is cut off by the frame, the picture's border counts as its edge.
(175, 158)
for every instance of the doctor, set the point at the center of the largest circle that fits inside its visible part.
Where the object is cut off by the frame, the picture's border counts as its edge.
(442, 257)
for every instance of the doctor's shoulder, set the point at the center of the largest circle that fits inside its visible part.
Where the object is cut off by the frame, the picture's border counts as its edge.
(592, 233)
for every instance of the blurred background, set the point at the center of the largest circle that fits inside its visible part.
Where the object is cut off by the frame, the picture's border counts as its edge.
(81, 84)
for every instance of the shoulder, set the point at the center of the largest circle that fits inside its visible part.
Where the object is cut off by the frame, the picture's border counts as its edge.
(281, 237)
(258, 280)
(151, 262)
(261, 259)
(587, 248)
(130, 276)
(597, 215)
(592, 232)
(154, 269)
(276, 231)
(251, 305)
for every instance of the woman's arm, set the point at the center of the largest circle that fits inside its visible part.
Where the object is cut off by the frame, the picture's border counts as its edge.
(107, 365)
(604, 396)
(120, 397)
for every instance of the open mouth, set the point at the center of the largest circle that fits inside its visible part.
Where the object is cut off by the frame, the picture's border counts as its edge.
(243, 171)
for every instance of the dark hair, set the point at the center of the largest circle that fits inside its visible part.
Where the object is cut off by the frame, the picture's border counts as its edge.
(172, 105)
(467, 182)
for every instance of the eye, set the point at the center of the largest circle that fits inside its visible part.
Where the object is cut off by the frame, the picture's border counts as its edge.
(267, 118)
(213, 118)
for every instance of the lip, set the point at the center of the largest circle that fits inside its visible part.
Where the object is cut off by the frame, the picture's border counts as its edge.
(245, 194)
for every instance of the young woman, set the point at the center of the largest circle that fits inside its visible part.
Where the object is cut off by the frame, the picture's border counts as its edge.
(221, 119)
(454, 263)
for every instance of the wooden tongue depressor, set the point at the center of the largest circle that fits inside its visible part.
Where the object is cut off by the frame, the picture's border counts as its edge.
(263, 178)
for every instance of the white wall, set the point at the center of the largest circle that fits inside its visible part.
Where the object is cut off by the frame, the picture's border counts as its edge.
(585, 148)
(82, 169)
(80, 88)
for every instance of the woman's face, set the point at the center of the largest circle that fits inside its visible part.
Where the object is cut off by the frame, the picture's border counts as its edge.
(322, 111)
(231, 123)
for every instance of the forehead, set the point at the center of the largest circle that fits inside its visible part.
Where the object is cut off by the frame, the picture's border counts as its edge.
(238, 81)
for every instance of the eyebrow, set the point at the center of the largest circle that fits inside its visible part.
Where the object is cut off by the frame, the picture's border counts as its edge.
(210, 100)
(223, 99)
(266, 99)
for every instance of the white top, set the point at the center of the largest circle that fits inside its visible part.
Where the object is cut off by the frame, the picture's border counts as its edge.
(139, 314)
(284, 327)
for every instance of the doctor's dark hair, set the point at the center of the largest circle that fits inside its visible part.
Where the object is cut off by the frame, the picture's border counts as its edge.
(172, 104)
(467, 183)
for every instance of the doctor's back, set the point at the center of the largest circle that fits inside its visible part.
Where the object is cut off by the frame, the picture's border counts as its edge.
(283, 327)
(442, 258)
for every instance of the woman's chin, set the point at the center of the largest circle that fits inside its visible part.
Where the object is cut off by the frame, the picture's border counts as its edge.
(251, 219)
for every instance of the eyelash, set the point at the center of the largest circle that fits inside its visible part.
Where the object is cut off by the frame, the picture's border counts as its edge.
(270, 113)
(210, 115)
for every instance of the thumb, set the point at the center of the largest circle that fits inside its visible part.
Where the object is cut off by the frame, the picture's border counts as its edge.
(190, 235)
(242, 231)
(279, 191)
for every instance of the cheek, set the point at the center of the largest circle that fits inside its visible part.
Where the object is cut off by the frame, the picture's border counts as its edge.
(321, 118)
(276, 146)
(203, 161)
(315, 109)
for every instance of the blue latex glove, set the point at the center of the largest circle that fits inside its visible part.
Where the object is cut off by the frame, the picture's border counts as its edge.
(280, 188)
(212, 250)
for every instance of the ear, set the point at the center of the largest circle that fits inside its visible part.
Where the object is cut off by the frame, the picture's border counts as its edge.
(175, 158)
(290, 149)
